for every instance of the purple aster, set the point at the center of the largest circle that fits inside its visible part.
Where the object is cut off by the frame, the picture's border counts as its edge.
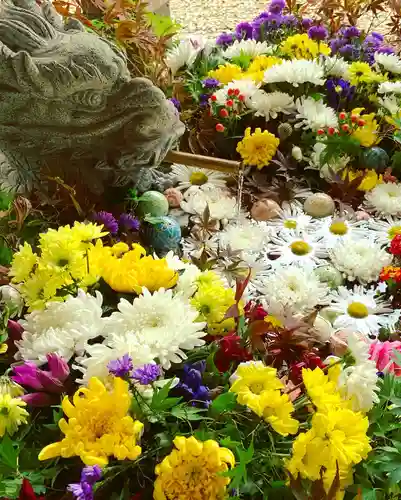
(346, 50)
(129, 222)
(191, 386)
(225, 39)
(336, 44)
(276, 6)
(146, 374)
(371, 41)
(121, 367)
(91, 474)
(306, 23)
(351, 32)
(176, 103)
(262, 16)
(290, 20)
(81, 491)
(244, 31)
(203, 100)
(107, 219)
(386, 50)
(210, 83)
(317, 33)
(378, 36)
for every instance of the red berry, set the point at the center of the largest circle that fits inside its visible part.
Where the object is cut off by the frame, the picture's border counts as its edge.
(395, 246)
(229, 103)
(220, 127)
(342, 115)
(223, 113)
(354, 118)
(213, 98)
(361, 123)
(230, 91)
(320, 131)
(241, 97)
(236, 91)
(331, 130)
(345, 127)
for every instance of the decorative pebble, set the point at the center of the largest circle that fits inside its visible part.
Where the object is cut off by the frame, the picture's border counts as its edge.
(319, 205)
(174, 197)
(265, 210)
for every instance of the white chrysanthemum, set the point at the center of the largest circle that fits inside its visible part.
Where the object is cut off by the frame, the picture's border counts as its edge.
(295, 72)
(390, 62)
(335, 66)
(62, 327)
(385, 199)
(271, 104)
(389, 88)
(384, 230)
(334, 229)
(247, 47)
(391, 103)
(294, 286)
(196, 178)
(247, 88)
(290, 218)
(298, 248)
(359, 259)
(246, 236)
(220, 205)
(166, 324)
(358, 310)
(315, 114)
(182, 55)
(326, 170)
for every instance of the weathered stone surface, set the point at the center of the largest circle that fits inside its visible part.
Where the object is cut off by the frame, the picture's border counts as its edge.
(70, 108)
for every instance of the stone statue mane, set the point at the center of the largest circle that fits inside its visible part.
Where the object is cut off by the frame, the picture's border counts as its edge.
(69, 106)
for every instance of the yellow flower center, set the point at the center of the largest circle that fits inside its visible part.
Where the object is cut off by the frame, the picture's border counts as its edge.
(358, 310)
(257, 387)
(198, 178)
(290, 224)
(300, 248)
(339, 228)
(394, 231)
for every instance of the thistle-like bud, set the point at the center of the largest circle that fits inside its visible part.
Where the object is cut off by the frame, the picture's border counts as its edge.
(284, 130)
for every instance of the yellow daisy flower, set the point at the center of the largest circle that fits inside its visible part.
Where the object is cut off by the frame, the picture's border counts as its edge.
(257, 148)
(226, 73)
(360, 72)
(302, 47)
(12, 414)
(370, 178)
(23, 263)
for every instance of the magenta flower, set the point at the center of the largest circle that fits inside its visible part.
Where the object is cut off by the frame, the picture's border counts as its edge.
(383, 355)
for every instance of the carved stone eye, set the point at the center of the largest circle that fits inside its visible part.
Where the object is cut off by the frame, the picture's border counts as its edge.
(90, 98)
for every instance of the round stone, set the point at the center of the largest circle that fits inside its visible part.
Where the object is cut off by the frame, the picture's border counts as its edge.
(152, 203)
(319, 205)
(329, 275)
(263, 210)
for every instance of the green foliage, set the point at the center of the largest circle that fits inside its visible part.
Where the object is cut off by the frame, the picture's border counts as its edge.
(162, 25)
(340, 145)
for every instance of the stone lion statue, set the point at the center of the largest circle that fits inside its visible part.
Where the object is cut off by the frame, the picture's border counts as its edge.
(70, 109)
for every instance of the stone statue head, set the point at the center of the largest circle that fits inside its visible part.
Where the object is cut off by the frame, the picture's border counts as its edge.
(68, 104)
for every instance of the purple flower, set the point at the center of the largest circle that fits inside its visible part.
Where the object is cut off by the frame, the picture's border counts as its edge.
(81, 491)
(371, 41)
(210, 83)
(317, 33)
(91, 474)
(339, 92)
(39, 399)
(129, 222)
(351, 32)
(276, 6)
(290, 20)
(386, 50)
(306, 23)
(243, 31)
(203, 100)
(347, 50)
(121, 367)
(191, 386)
(146, 374)
(176, 103)
(378, 36)
(225, 39)
(336, 43)
(58, 367)
(107, 219)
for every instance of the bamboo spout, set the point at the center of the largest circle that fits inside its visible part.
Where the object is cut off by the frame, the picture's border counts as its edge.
(219, 164)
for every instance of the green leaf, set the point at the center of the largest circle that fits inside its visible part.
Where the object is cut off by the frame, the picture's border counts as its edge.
(225, 402)
(161, 401)
(162, 25)
(5, 200)
(184, 412)
(6, 254)
(9, 452)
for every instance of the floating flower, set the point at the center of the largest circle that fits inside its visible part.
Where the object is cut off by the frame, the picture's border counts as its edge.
(366, 134)
(84, 489)
(193, 468)
(12, 414)
(231, 351)
(322, 389)
(121, 367)
(128, 222)
(335, 230)
(97, 428)
(292, 217)
(257, 148)
(385, 199)
(297, 247)
(182, 55)
(391, 273)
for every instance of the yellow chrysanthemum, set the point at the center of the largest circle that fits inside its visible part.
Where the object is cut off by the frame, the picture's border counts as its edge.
(257, 148)
(302, 47)
(128, 271)
(367, 134)
(42, 287)
(99, 425)
(369, 178)
(8, 386)
(361, 72)
(226, 73)
(193, 471)
(23, 263)
(259, 65)
(12, 414)
(322, 389)
(277, 410)
(337, 437)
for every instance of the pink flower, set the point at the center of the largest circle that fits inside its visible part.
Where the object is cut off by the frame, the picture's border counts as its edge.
(383, 354)
(174, 197)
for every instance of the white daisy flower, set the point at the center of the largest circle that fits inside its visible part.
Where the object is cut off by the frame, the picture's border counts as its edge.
(247, 47)
(247, 88)
(62, 327)
(295, 72)
(358, 310)
(384, 230)
(290, 218)
(389, 62)
(385, 199)
(335, 229)
(391, 103)
(220, 205)
(271, 104)
(197, 178)
(335, 66)
(296, 287)
(389, 88)
(315, 114)
(295, 247)
(182, 55)
(359, 259)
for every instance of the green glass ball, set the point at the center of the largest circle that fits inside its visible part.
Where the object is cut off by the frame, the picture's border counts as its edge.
(375, 158)
(152, 203)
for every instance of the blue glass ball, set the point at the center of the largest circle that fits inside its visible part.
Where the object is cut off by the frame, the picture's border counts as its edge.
(165, 234)
(375, 158)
